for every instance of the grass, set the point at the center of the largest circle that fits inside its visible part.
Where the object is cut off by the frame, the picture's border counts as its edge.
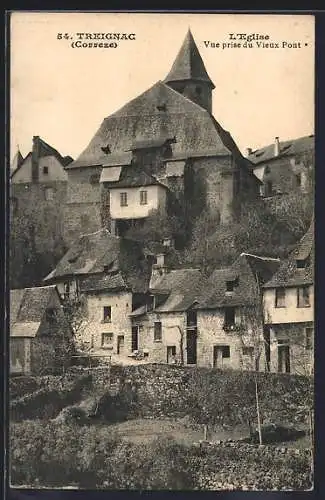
(146, 430)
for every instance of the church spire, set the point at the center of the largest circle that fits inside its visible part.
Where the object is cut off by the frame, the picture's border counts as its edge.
(188, 64)
(189, 76)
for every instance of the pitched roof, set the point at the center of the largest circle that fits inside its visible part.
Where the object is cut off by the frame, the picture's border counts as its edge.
(17, 161)
(123, 259)
(188, 64)
(248, 272)
(140, 119)
(27, 307)
(44, 149)
(288, 273)
(181, 286)
(89, 254)
(291, 147)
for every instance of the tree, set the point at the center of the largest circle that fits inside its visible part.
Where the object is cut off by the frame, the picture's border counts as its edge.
(157, 226)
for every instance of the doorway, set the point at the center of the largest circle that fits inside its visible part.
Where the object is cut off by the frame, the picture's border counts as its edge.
(120, 344)
(283, 359)
(135, 338)
(191, 345)
(171, 354)
(221, 354)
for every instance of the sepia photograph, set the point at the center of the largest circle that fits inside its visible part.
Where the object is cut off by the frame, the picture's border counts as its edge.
(161, 251)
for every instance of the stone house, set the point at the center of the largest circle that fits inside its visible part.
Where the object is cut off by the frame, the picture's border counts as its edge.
(285, 166)
(169, 133)
(215, 322)
(38, 188)
(289, 310)
(111, 275)
(37, 329)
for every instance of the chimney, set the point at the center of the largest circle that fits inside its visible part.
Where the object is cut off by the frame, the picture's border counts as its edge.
(276, 146)
(168, 242)
(248, 151)
(158, 270)
(35, 158)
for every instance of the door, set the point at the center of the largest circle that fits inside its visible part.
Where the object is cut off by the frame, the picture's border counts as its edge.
(283, 359)
(135, 338)
(120, 344)
(191, 346)
(171, 354)
(221, 354)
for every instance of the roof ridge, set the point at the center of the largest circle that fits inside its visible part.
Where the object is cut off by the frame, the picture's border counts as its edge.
(260, 257)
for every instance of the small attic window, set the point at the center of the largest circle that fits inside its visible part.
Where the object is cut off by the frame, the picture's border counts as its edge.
(162, 107)
(231, 284)
(198, 90)
(259, 153)
(267, 169)
(94, 179)
(302, 263)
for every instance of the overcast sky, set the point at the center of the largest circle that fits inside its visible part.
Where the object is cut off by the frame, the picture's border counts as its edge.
(62, 93)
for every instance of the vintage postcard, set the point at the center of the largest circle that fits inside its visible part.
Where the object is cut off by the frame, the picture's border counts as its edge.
(161, 251)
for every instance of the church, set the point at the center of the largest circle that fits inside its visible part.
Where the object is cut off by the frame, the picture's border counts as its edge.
(163, 149)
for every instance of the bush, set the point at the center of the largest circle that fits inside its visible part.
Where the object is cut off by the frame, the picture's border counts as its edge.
(20, 385)
(47, 403)
(57, 455)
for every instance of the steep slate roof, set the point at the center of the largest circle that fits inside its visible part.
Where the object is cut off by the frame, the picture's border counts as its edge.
(87, 257)
(140, 119)
(251, 271)
(188, 64)
(287, 148)
(288, 273)
(182, 286)
(27, 308)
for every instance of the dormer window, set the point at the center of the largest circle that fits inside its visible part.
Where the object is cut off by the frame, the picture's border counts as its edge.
(231, 284)
(302, 263)
(50, 315)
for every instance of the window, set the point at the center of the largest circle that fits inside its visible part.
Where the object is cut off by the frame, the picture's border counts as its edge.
(50, 315)
(107, 339)
(123, 199)
(225, 351)
(94, 178)
(248, 351)
(267, 169)
(268, 188)
(229, 316)
(107, 314)
(280, 297)
(303, 296)
(198, 90)
(66, 289)
(49, 194)
(230, 286)
(157, 336)
(45, 170)
(151, 303)
(143, 197)
(298, 179)
(302, 263)
(309, 337)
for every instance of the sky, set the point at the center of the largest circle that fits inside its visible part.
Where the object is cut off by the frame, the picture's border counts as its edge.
(63, 94)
